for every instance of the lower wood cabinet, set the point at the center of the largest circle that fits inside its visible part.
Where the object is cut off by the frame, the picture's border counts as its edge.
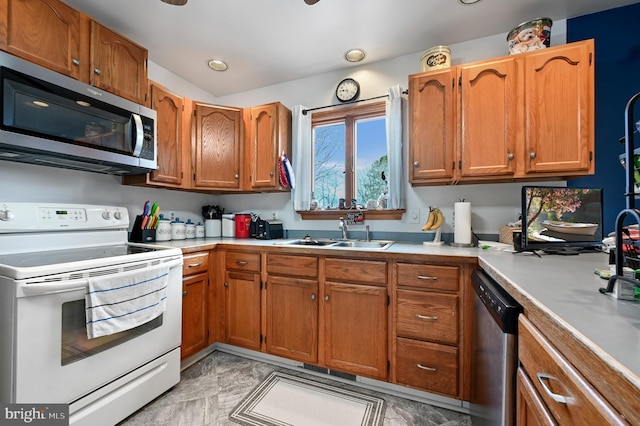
(551, 389)
(242, 296)
(195, 295)
(292, 307)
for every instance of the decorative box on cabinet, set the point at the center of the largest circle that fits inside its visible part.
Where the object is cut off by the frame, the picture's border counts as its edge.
(195, 295)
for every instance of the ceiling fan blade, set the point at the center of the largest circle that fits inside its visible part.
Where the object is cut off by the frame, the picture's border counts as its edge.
(311, 2)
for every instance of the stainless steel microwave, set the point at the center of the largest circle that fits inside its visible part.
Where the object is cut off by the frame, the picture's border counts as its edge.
(53, 120)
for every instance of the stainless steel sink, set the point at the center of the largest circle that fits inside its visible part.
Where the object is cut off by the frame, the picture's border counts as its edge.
(377, 244)
(311, 242)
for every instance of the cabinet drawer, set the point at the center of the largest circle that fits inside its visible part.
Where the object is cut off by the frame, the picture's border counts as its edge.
(427, 366)
(298, 266)
(356, 270)
(435, 277)
(569, 397)
(428, 316)
(195, 263)
(243, 261)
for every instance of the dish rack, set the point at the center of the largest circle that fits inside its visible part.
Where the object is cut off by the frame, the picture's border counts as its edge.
(627, 251)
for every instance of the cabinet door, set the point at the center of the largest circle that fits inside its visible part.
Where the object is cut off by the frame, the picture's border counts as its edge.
(431, 124)
(559, 109)
(169, 136)
(263, 147)
(242, 306)
(45, 32)
(355, 327)
(195, 291)
(118, 65)
(488, 118)
(218, 147)
(292, 318)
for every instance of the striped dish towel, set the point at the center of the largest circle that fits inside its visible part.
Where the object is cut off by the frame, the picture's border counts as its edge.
(124, 301)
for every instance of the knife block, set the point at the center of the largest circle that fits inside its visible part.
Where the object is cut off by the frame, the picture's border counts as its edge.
(139, 235)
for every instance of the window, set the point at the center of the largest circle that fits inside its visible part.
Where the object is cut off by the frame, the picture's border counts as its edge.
(350, 156)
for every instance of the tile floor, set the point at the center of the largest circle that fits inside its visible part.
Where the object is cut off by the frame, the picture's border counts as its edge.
(210, 389)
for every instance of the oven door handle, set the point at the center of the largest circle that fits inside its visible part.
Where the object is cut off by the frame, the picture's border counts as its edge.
(71, 285)
(54, 287)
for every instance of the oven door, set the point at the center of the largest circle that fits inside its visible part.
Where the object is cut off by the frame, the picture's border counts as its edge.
(54, 360)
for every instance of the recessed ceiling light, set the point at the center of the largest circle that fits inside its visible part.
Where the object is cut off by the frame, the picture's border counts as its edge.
(175, 2)
(354, 55)
(464, 1)
(217, 65)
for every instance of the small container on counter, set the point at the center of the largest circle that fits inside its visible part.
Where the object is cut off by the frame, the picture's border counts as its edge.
(178, 230)
(163, 231)
(189, 230)
(199, 230)
(228, 226)
(243, 225)
(213, 228)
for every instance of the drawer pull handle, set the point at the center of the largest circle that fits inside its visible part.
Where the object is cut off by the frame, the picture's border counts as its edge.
(427, 317)
(542, 378)
(422, 367)
(426, 277)
(313, 296)
(195, 265)
(242, 262)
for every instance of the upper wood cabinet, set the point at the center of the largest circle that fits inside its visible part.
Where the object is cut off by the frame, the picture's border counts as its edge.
(432, 126)
(45, 32)
(524, 116)
(268, 134)
(559, 109)
(218, 148)
(173, 141)
(51, 34)
(118, 65)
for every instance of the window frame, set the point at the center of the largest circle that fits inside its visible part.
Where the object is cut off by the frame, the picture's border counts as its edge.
(349, 115)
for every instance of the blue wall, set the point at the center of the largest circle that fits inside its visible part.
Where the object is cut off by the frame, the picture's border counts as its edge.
(617, 78)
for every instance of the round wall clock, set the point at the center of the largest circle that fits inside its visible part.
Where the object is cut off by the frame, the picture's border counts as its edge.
(347, 90)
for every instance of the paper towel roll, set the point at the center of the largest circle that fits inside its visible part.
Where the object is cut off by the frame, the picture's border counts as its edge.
(462, 222)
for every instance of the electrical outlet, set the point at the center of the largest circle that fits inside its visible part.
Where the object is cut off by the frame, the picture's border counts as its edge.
(414, 216)
(172, 216)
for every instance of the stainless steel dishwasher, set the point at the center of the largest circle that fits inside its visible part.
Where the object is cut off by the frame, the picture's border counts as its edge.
(494, 357)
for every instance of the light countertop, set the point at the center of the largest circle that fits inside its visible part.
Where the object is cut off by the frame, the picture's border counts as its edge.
(565, 288)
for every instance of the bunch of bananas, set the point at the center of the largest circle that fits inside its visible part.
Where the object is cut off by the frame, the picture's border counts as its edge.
(434, 221)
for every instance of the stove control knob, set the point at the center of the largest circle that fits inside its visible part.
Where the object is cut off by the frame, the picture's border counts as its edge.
(117, 215)
(106, 215)
(6, 214)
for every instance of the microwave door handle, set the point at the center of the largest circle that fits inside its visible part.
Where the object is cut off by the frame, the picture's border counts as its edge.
(137, 128)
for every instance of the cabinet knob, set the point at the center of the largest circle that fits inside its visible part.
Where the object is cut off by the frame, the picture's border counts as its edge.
(510, 156)
(236, 176)
(313, 296)
(184, 293)
(326, 298)
(226, 284)
(270, 174)
(97, 71)
(416, 164)
(75, 61)
(532, 155)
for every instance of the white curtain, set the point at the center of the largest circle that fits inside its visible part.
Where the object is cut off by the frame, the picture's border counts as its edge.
(394, 149)
(302, 158)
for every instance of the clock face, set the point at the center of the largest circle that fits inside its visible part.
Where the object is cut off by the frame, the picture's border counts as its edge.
(347, 90)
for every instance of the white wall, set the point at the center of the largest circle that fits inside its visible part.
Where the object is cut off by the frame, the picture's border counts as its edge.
(492, 204)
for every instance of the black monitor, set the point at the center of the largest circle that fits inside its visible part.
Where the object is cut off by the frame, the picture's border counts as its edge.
(561, 220)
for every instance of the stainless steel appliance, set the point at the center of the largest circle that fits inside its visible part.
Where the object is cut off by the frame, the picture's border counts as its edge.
(53, 120)
(494, 358)
(48, 255)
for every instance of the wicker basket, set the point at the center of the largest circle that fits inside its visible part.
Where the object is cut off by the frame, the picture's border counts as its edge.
(505, 234)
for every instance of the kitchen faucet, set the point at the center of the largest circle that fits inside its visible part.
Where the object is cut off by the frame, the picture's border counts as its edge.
(342, 225)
